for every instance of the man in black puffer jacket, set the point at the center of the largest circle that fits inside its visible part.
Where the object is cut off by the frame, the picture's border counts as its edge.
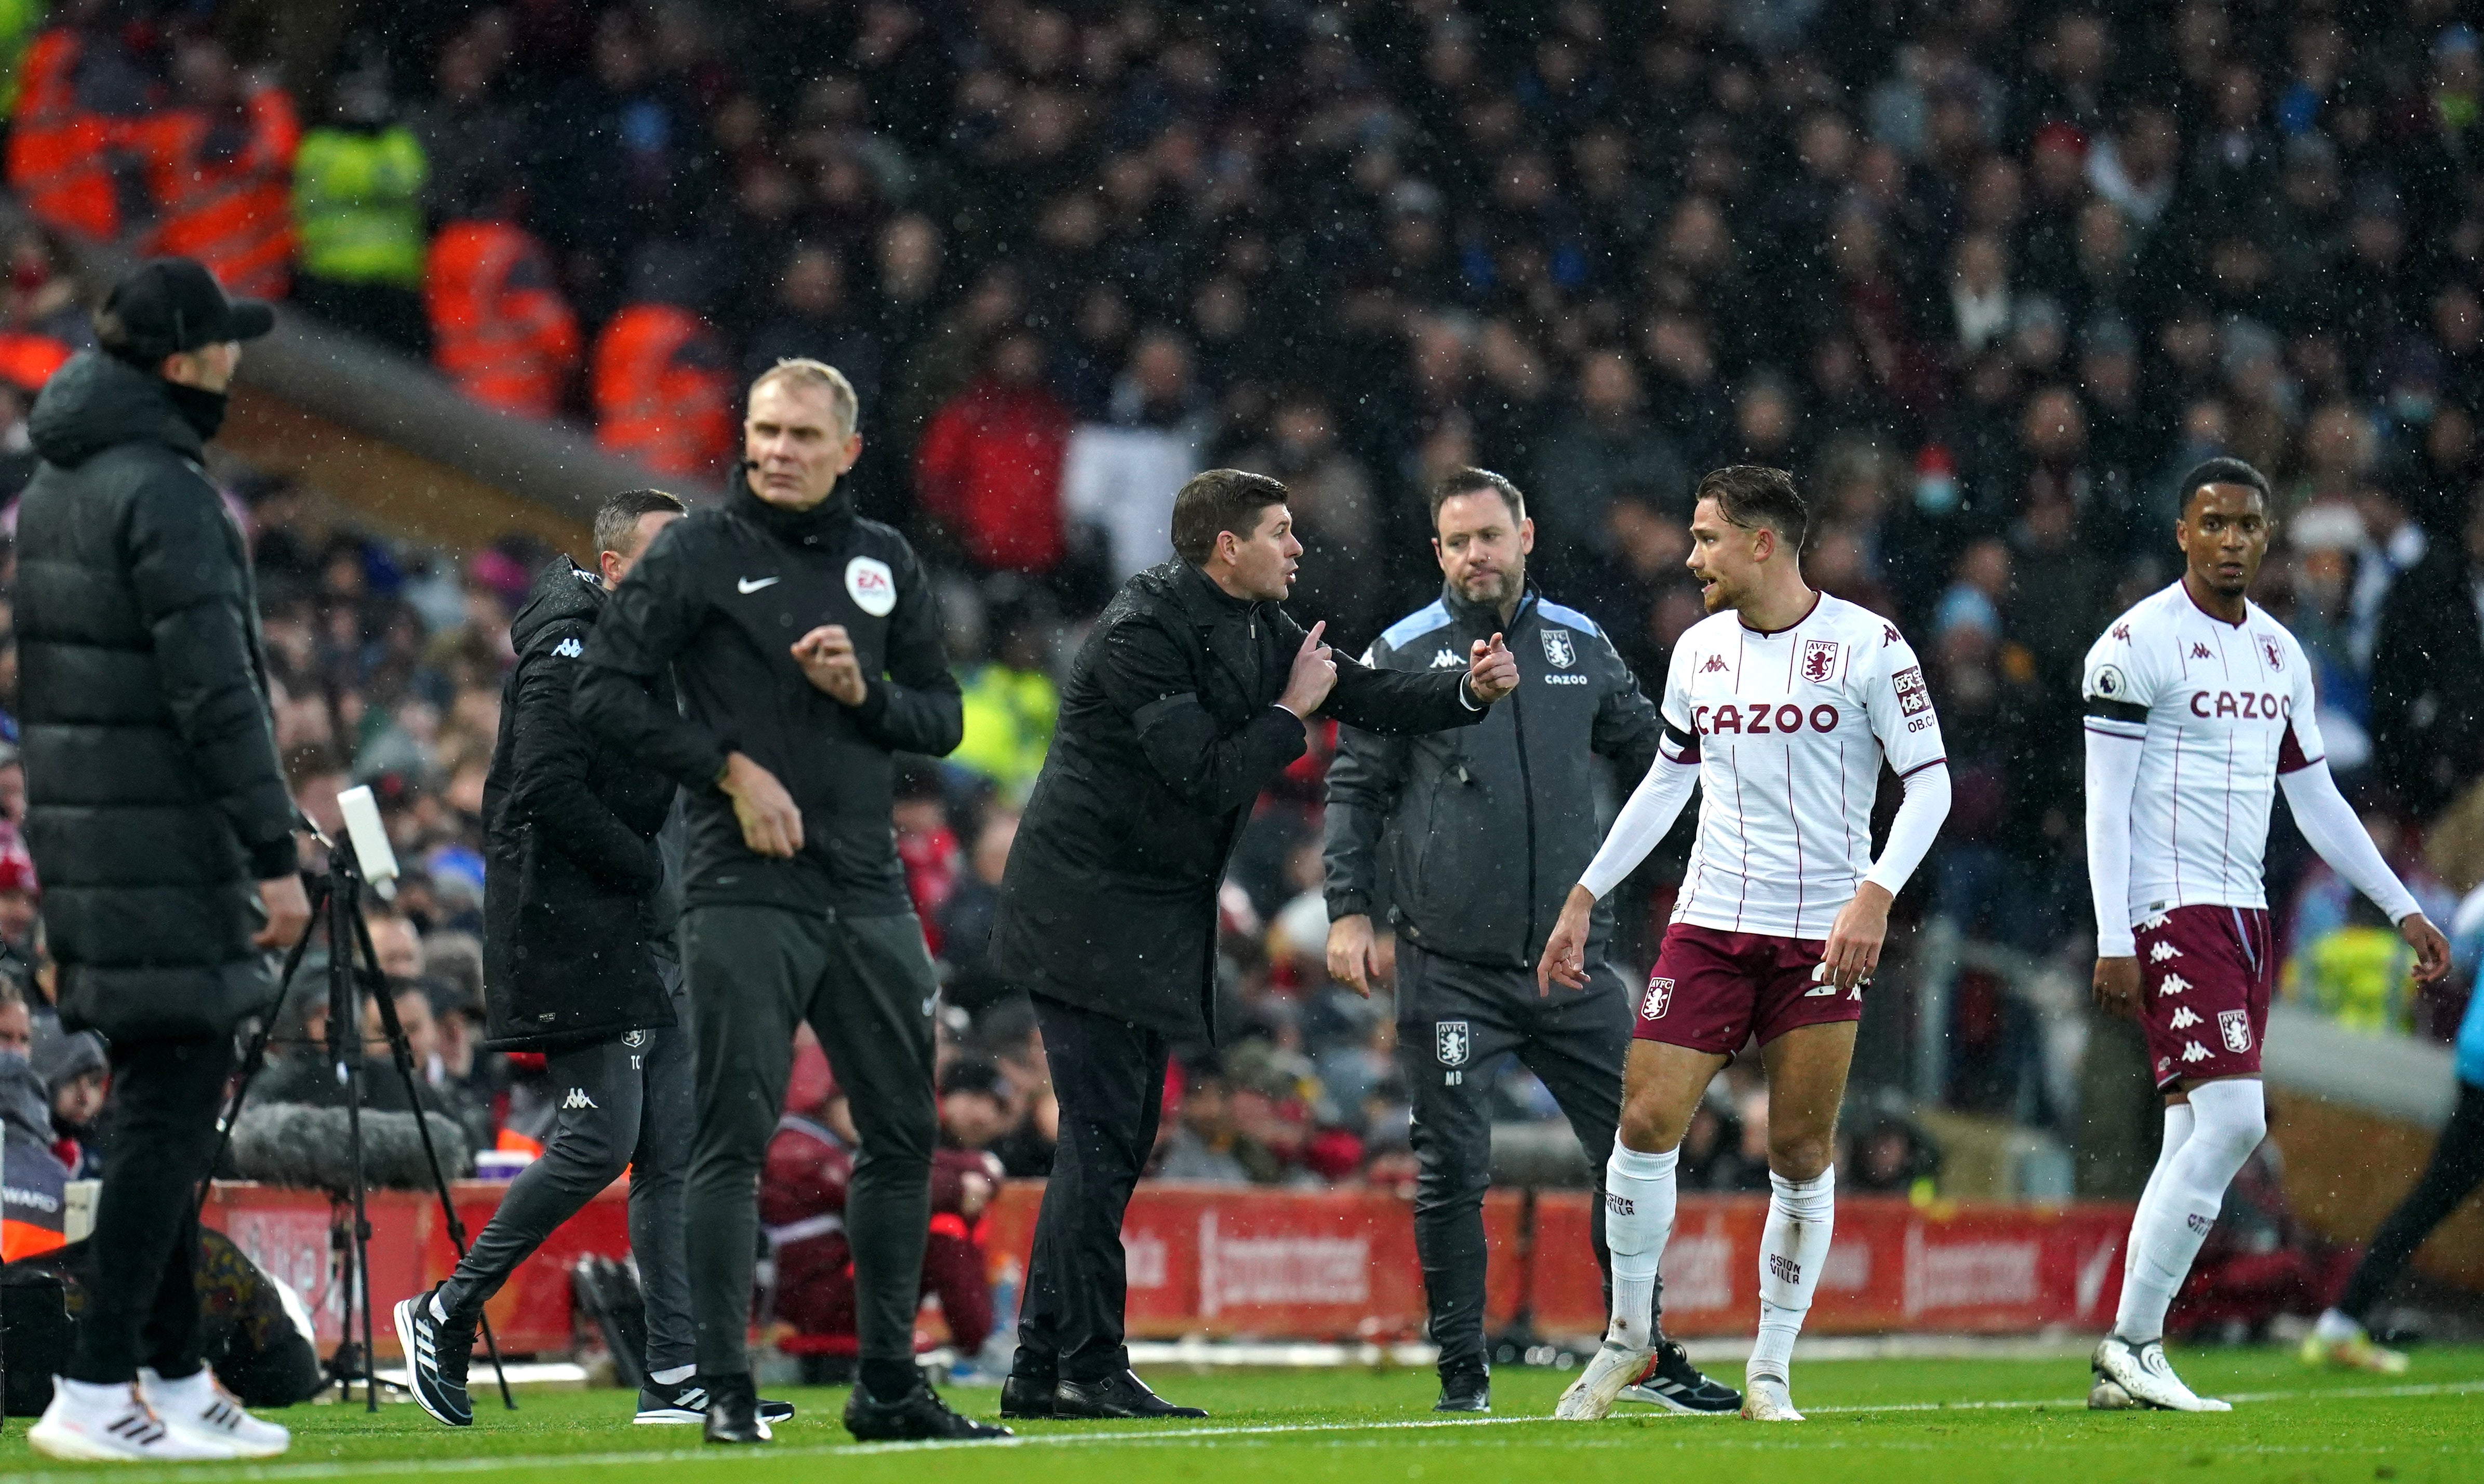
(579, 964)
(156, 809)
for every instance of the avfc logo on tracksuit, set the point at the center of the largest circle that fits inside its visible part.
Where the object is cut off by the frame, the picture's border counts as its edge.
(1452, 1042)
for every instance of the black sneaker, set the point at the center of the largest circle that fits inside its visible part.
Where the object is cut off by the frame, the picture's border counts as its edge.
(686, 1403)
(1671, 1382)
(1121, 1394)
(917, 1416)
(1027, 1396)
(436, 1352)
(1464, 1391)
(733, 1411)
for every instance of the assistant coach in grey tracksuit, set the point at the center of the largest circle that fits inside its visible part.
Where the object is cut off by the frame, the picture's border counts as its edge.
(1473, 837)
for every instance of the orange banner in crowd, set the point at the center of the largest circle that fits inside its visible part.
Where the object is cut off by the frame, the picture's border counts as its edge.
(1221, 1260)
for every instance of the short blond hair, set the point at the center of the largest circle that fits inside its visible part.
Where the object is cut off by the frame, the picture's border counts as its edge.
(817, 375)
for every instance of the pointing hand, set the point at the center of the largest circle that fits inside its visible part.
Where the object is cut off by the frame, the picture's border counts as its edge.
(1492, 672)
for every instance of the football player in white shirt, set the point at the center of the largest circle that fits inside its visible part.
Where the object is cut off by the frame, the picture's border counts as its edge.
(1781, 706)
(2199, 708)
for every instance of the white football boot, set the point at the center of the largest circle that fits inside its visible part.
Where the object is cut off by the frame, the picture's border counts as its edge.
(1768, 1399)
(2144, 1377)
(1614, 1366)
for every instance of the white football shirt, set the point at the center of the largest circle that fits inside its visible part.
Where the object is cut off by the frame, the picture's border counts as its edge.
(2220, 710)
(1792, 728)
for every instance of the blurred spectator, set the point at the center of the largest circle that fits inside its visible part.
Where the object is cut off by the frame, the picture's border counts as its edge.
(1200, 1147)
(76, 1078)
(988, 468)
(358, 185)
(971, 980)
(2427, 724)
(219, 168)
(499, 329)
(1123, 470)
(664, 384)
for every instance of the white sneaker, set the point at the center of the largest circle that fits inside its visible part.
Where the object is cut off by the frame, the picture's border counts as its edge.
(2144, 1378)
(200, 1405)
(114, 1424)
(1590, 1398)
(1768, 1399)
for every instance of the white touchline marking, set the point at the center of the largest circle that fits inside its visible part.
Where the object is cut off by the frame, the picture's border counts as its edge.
(382, 1467)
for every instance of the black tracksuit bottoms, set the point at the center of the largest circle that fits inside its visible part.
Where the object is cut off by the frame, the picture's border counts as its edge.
(1108, 1076)
(1454, 1021)
(2456, 1168)
(141, 1301)
(866, 987)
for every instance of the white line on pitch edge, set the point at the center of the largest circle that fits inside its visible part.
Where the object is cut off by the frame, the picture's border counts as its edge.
(279, 1472)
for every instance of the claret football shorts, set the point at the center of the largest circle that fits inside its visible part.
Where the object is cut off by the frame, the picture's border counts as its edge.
(1713, 990)
(2205, 973)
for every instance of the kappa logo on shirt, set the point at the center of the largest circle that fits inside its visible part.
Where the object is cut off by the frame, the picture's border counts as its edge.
(2161, 950)
(569, 648)
(578, 1099)
(1447, 659)
(1716, 662)
(2193, 1051)
(1888, 635)
(2121, 631)
(2172, 983)
(2199, 651)
(2183, 1018)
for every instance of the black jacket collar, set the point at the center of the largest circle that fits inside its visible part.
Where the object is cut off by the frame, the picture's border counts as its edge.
(1486, 615)
(821, 526)
(1207, 603)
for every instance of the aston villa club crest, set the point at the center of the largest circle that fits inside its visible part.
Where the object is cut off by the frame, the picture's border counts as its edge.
(2234, 1026)
(1451, 1042)
(1659, 994)
(1819, 659)
(1558, 651)
(2276, 656)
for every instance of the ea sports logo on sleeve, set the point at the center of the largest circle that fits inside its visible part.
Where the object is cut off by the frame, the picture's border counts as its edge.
(1659, 994)
(871, 586)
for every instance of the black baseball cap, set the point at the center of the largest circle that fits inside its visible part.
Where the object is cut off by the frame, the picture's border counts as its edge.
(173, 305)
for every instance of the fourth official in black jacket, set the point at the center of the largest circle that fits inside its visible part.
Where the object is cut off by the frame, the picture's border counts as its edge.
(1188, 698)
(805, 643)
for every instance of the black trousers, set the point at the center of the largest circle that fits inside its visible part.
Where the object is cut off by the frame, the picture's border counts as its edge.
(1108, 1076)
(629, 1106)
(142, 1302)
(867, 989)
(2456, 1168)
(1454, 1020)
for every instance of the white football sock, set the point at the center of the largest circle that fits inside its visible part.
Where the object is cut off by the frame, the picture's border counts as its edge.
(2336, 1327)
(2229, 1120)
(2178, 1121)
(673, 1375)
(1638, 1216)
(1793, 1246)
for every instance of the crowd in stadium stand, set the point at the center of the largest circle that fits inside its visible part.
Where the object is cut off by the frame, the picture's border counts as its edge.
(1987, 276)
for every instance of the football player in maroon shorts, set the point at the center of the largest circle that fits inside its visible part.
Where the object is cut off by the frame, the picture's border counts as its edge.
(1782, 706)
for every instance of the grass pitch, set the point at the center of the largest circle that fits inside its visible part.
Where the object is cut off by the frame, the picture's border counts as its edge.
(1916, 1421)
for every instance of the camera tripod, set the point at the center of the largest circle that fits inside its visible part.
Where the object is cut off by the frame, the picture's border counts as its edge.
(335, 903)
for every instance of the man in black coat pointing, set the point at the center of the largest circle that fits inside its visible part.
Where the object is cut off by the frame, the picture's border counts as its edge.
(1189, 697)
